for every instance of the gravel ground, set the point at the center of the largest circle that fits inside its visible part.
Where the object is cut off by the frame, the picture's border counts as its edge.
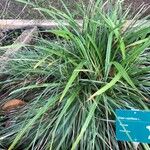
(10, 9)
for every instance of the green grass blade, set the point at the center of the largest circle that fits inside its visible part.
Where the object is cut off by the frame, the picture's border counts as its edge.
(62, 113)
(34, 87)
(50, 102)
(108, 55)
(124, 73)
(107, 86)
(137, 51)
(72, 79)
(85, 125)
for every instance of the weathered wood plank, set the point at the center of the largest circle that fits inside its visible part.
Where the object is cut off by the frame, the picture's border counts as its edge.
(16, 24)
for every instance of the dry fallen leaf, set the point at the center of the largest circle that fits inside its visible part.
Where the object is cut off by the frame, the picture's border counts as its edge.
(12, 104)
(112, 71)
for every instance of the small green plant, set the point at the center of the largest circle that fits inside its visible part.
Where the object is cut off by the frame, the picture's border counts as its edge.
(74, 82)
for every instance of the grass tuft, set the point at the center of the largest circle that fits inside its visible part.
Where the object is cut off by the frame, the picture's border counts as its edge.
(72, 84)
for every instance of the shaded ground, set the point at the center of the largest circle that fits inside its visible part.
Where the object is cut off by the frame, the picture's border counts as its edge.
(11, 9)
(137, 3)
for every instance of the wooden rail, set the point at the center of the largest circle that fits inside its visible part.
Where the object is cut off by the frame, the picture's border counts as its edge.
(16, 24)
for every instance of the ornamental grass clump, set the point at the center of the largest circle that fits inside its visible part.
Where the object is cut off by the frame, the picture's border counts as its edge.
(73, 84)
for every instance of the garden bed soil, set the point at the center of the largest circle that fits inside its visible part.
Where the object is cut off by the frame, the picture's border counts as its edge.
(10, 9)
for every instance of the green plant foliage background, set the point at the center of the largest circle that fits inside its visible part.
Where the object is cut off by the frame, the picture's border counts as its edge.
(74, 82)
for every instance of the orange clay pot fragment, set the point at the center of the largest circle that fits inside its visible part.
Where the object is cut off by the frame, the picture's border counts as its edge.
(12, 104)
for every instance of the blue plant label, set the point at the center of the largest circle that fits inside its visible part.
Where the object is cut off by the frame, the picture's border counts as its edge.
(133, 125)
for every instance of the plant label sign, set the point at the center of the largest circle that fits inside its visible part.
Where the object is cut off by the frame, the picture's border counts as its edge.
(133, 125)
